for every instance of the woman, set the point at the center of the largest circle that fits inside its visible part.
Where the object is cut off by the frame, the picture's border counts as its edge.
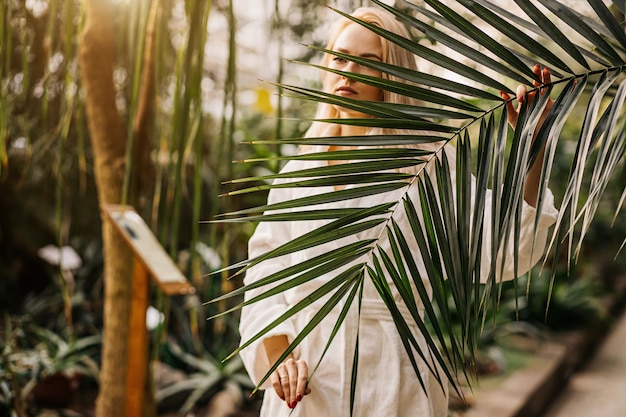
(386, 381)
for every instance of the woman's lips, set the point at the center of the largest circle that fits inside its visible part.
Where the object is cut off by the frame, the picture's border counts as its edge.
(345, 91)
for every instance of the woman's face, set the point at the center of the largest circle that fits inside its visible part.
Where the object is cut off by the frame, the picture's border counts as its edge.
(359, 41)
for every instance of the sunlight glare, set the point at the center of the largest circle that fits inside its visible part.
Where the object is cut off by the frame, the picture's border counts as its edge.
(37, 7)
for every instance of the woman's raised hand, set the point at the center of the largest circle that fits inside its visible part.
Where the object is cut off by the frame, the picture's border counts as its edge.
(289, 381)
(531, 186)
(513, 113)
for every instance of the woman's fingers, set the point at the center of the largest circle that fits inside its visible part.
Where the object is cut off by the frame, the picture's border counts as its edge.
(289, 380)
(521, 94)
(542, 74)
(512, 113)
(303, 376)
(290, 394)
(546, 77)
(276, 380)
(538, 74)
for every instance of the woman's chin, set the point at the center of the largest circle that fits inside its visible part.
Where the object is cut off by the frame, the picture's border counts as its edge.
(345, 113)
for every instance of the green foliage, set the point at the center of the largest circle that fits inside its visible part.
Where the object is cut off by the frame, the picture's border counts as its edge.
(570, 303)
(46, 175)
(46, 163)
(31, 355)
(205, 376)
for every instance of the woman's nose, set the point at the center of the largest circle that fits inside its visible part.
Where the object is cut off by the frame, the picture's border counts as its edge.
(352, 66)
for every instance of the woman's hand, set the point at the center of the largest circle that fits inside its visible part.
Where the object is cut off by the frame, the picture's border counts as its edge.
(520, 93)
(289, 381)
(531, 186)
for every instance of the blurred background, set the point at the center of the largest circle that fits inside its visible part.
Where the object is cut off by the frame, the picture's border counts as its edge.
(212, 96)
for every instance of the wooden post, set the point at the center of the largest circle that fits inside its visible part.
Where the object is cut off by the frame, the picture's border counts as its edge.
(150, 261)
(138, 343)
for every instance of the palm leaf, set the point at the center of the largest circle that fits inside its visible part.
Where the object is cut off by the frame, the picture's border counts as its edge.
(456, 44)
(318, 266)
(415, 77)
(418, 93)
(445, 199)
(578, 24)
(378, 277)
(433, 56)
(373, 140)
(552, 30)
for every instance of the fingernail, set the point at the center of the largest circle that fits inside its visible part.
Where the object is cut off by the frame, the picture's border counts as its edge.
(299, 397)
(282, 397)
(292, 404)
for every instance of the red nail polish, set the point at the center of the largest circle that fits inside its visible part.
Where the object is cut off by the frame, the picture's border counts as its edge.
(299, 397)
(292, 405)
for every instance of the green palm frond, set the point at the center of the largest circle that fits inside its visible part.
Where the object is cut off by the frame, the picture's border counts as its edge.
(587, 62)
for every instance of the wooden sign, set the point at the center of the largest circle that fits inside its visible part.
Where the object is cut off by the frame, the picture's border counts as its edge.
(148, 250)
(150, 260)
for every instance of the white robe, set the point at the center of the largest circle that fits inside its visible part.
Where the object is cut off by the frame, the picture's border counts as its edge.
(386, 382)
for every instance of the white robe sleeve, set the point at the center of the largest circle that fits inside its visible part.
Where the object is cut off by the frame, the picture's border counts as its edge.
(532, 243)
(257, 316)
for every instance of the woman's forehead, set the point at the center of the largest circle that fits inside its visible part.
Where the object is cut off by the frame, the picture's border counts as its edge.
(358, 40)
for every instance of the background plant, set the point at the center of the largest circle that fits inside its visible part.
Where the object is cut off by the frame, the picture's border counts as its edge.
(174, 178)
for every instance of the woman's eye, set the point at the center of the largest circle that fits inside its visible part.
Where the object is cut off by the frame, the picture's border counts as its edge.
(339, 60)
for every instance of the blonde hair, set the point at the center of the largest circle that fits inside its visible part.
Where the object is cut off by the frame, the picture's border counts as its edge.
(391, 54)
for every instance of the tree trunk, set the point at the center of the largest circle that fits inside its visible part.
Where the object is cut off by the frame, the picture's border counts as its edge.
(108, 137)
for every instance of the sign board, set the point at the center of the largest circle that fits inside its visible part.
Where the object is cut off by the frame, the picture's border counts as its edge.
(148, 250)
